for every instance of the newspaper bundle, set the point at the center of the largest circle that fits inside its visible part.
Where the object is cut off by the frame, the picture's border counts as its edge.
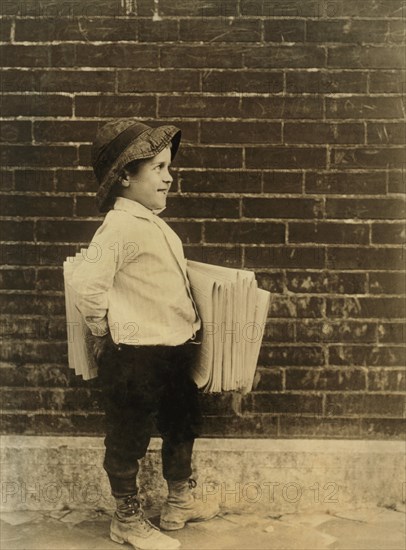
(233, 311)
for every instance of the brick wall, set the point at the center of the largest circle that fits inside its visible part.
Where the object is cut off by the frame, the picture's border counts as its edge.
(291, 165)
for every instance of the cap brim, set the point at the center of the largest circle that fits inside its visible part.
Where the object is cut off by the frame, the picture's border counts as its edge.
(146, 145)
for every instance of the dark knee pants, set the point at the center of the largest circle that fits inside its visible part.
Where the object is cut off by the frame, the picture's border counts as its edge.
(144, 387)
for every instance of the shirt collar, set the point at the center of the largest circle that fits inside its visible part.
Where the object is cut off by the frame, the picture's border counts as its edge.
(135, 208)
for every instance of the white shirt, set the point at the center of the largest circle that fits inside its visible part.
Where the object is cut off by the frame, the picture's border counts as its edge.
(133, 280)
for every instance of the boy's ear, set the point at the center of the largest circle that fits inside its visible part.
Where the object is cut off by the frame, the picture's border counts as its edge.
(124, 178)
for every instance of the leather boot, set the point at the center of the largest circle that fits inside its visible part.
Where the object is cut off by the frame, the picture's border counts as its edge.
(181, 506)
(130, 525)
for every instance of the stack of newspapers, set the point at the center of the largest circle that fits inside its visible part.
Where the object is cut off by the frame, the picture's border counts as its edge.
(233, 311)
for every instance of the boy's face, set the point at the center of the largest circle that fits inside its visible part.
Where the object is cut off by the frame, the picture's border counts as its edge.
(150, 184)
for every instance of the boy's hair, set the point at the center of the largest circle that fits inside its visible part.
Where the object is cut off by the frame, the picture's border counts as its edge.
(132, 168)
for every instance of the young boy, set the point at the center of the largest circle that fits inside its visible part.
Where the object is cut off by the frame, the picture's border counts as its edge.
(135, 297)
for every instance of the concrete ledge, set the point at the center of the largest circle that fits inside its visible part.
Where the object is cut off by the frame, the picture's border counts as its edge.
(254, 475)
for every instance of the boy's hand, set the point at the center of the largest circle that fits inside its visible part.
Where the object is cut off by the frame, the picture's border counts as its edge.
(100, 344)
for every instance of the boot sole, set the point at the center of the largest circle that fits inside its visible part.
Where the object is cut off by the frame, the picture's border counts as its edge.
(171, 526)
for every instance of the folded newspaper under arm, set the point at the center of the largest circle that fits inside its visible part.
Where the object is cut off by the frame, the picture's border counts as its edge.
(233, 311)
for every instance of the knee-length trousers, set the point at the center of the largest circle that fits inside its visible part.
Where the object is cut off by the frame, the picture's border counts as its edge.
(144, 388)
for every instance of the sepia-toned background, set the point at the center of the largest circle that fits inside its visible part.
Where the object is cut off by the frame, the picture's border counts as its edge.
(292, 164)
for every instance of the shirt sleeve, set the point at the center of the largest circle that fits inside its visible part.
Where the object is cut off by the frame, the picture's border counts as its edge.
(94, 277)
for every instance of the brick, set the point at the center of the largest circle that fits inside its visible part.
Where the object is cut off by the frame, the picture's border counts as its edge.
(326, 82)
(55, 131)
(34, 180)
(344, 30)
(17, 279)
(69, 8)
(34, 375)
(279, 331)
(5, 30)
(284, 56)
(367, 355)
(282, 403)
(198, 106)
(86, 206)
(250, 81)
(6, 180)
(210, 181)
(397, 181)
(330, 331)
(33, 304)
(283, 257)
(319, 427)
(36, 105)
(285, 157)
(328, 233)
(368, 308)
(281, 108)
(65, 231)
(284, 30)
(268, 380)
(16, 230)
(394, 333)
(293, 307)
(326, 282)
(382, 428)
(346, 183)
(12, 131)
(165, 30)
(291, 356)
(364, 107)
(384, 233)
(97, 29)
(15, 327)
(289, 8)
(364, 258)
(219, 404)
(189, 232)
(365, 57)
(24, 56)
(386, 380)
(50, 279)
(365, 209)
(309, 132)
(210, 56)
(367, 8)
(330, 380)
(53, 424)
(386, 133)
(364, 405)
(202, 207)
(281, 208)
(273, 282)
(58, 81)
(158, 81)
(387, 283)
(209, 157)
(282, 182)
(220, 30)
(115, 106)
(109, 55)
(228, 256)
(241, 132)
(391, 82)
(38, 155)
(18, 205)
(200, 8)
(396, 34)
(244, 232)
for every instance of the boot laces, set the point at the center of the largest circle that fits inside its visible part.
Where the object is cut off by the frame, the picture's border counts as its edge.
(192, 483)
(132, 507)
